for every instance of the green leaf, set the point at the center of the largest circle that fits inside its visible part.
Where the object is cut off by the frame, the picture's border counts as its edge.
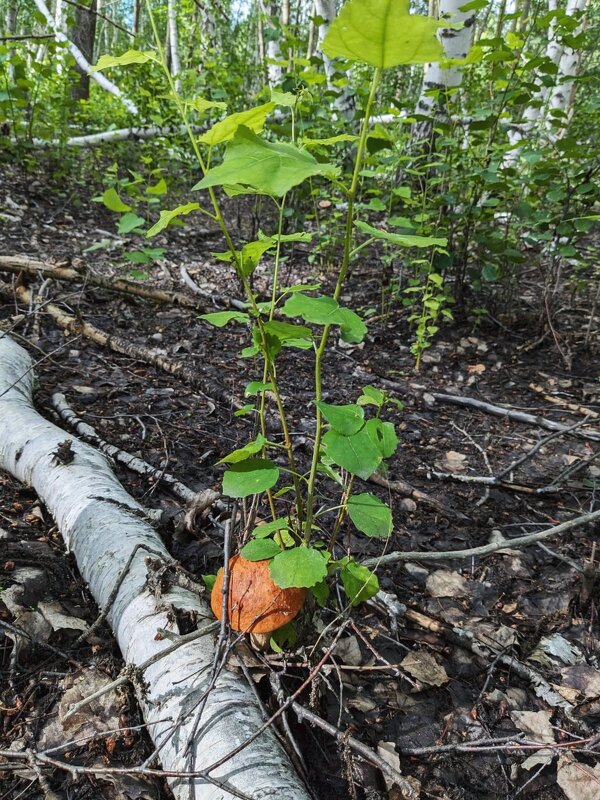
(201, 104)
(260, 549)
(300, 236)
(359, 583)
(130, 57)
(284, 98)
(242, 453)
(253, 476)
(370, 515)
(209, 581)
(326, 311)
(168, 216)
(244, 410)
(371, 396)
(403, 239)
(129, 222)
(222, 131)
(272, 168)
(319, 310)
(113, 202)
(384, 34)
(266, 528)
(321, 593)
(357, 454)
(220, 318)
(330, 140)
(298, 567)
(254, 387)
(158, 189)
(383, 435)
(346, 419)
(284, 331)
(353, 329)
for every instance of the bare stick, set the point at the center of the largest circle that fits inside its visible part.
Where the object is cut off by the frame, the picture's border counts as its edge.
(516, 416)
(359, 747)
(486, 549)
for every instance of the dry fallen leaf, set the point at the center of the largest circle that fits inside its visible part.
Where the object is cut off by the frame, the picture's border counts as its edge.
(537, 725)
(452, 462)
(577, 780)
(446, 583)
(423, 667)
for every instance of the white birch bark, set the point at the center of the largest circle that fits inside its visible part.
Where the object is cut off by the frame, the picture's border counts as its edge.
(83, 63)
(327, 11)
(273, 53)
(174, 43)
(103, 525)
(562, 96)
(457, 44)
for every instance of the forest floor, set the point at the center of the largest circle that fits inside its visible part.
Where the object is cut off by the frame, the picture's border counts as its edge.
(422, 687)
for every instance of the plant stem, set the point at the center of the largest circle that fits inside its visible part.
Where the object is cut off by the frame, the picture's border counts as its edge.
(348, 238)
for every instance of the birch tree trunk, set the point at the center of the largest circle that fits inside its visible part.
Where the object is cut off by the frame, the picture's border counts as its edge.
(327, 11)
(561, 98)
(457, 44)
(273, 52)
(81, 60)
(174, 43)
(105, 529)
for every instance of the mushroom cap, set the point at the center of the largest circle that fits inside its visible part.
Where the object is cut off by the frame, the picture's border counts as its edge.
(256, 604)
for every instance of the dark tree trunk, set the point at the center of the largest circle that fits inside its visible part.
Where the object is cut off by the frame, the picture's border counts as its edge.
(84, 34)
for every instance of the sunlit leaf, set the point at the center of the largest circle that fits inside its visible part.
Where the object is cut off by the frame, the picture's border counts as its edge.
(384, 34)
(222, 131)
(167, 217)
(269, 167)
(298, 567)
(130, 57)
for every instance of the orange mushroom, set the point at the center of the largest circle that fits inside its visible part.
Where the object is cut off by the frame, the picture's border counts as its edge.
(256, 603)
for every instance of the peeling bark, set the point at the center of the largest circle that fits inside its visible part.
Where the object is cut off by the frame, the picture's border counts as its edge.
(105, 529)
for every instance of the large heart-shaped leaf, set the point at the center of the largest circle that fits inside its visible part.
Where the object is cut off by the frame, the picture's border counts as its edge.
(370, 515)
(326, 311)
(272, 168)
(253, 476)
(300, 567)
(384, 34)
(357, 454)
(346, 420)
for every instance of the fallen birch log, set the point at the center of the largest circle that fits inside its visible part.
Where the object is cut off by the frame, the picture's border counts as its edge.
(105, 529)
(32, 266)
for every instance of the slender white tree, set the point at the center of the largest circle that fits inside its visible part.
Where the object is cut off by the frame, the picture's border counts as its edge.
(561, 98)
(327, 11)
(271, 11)
(174, 43)
(457, 43)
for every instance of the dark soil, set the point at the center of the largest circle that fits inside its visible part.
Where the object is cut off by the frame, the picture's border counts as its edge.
(520, 599)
